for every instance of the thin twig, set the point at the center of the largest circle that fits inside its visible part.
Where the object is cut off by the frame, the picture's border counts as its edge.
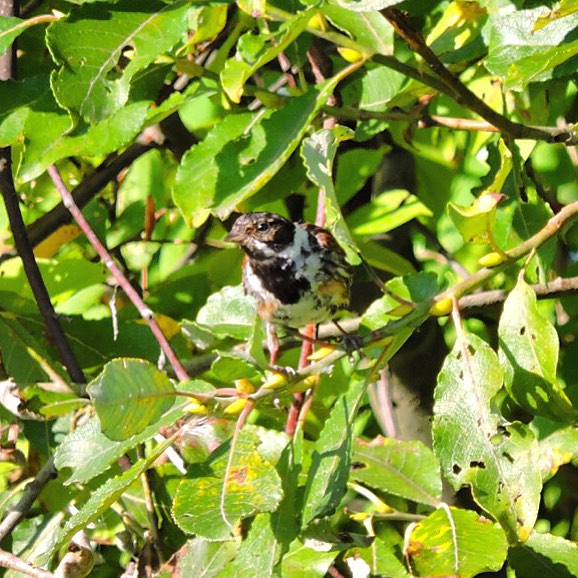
(111, 265)
(85, 191)
(10, 561)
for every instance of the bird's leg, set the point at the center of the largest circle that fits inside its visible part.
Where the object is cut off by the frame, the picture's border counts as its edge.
(272, 344)
(351, 342)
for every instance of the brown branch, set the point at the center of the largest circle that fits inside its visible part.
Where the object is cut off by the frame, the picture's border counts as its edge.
(24, 249)
(560, 287)
(82, 194)
(463, 95)
(552, 227)
(86, 191)
(423, 121)
(31, 492)
(115, 270)
(10, 561)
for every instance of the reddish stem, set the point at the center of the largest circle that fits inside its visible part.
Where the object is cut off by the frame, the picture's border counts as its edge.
(115, 270)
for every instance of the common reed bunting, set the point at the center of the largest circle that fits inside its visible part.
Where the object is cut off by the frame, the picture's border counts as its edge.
(296, 272)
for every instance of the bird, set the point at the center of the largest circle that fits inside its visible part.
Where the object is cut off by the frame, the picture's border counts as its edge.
(296, 272)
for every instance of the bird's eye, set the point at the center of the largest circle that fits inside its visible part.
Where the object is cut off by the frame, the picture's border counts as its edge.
(262, 227)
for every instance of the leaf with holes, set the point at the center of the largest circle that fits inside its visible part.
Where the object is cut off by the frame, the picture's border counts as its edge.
(227, 488)
(453, 542)
(100, 48)
(406, 469)
(529, 355)
(499, 462)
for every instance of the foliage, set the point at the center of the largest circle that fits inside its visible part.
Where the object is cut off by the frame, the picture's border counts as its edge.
(429, 135)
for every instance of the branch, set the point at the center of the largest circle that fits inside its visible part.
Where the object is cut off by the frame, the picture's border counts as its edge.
(425, 120)
(82, 194)
(86, 190)
(24, 249)
(7, 560)
(31, 492)
(560, 287)
(21, 240)
(552, 227)
(463, 95)
(111, 265)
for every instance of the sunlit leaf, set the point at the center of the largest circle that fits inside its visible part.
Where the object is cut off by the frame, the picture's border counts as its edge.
(219, 493)
(91, 81)
(332, 456)
(499, 462)
(407, 469)
(454, 542)
(129, 395)
(529, 353)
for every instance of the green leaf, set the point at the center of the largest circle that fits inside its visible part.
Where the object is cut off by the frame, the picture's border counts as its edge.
(305, 561)
(101, 500)
(270, 535)
(406, 469)
(92, 42)
(11, 28)
(229, 313)
(204, 559)
(529, 355)
(206, 23)
(370, 29)
(499, 462)
(417, 288)
(17, 99)
(88, 452)
(329, 471)
(354, 169)
(24, 356)
(247, 164)
(134, 389)
(558, 449)
(238, 70)
(318, 152)
(554, 556)
(386, 212)
(53, 142)
(31, 114)
(475, 223)
(230, 366)
(384, 259)
(366, 5)
(64, 278)
(211, 506)
(198, 172)
(453, 542)
(521, 54)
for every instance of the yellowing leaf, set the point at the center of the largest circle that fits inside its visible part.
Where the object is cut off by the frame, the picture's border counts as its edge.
(50, 246)
(476, 221)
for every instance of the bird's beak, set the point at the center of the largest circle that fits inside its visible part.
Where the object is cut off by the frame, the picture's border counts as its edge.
(233, 236)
